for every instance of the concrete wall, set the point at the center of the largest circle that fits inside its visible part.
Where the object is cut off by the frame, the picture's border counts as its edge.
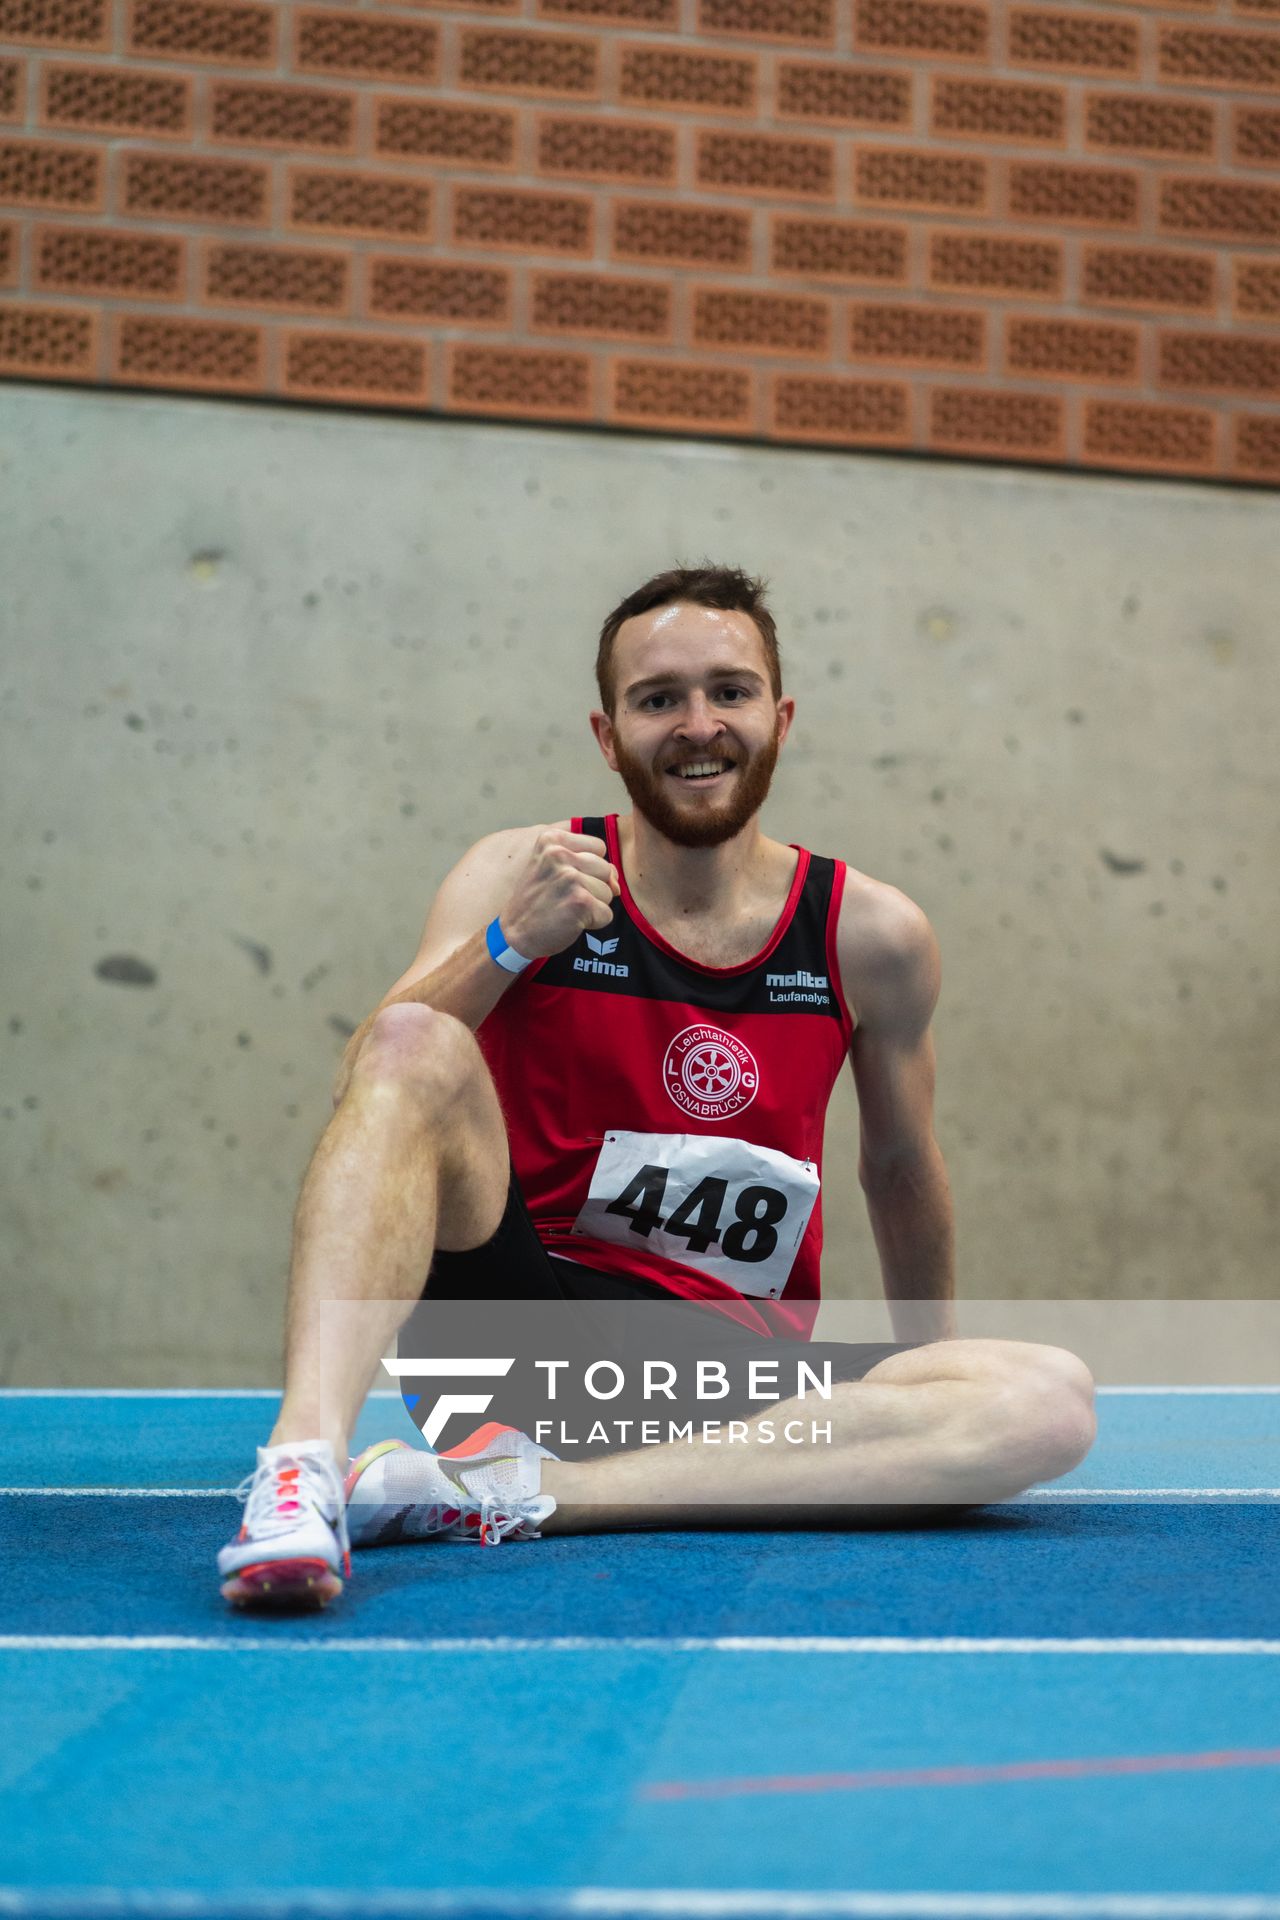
(266, 672)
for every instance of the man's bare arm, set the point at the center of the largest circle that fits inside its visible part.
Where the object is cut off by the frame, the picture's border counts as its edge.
(892, 973)
(543, 883)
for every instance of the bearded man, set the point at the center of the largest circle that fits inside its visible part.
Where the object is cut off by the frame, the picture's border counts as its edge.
(604, 1078)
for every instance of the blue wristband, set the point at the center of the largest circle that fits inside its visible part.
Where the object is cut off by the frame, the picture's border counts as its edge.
(506, 957)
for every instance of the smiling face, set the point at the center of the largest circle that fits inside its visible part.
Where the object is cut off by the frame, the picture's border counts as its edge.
(696, 728)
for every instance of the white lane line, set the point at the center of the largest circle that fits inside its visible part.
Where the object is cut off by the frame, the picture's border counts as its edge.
(1255, 1389)
(384, 1393)
(1034, 1496)
(621, 1643)
(646, 1903)
(1143, 1493)
(123, 1493)
(160, 1393)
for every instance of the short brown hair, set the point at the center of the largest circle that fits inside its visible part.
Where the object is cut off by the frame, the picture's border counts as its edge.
(726, 588)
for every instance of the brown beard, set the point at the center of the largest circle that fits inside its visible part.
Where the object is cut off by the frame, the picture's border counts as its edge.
(652, 796)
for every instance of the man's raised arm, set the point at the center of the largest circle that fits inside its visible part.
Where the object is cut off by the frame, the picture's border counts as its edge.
(543, 885)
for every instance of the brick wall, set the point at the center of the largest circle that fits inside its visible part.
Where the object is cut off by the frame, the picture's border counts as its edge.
(1035, 232)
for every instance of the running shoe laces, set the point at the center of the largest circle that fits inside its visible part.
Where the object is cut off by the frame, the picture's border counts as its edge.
(486, 1490)
(285, 1484)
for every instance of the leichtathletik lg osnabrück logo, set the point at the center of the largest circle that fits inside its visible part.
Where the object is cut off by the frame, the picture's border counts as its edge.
(709, 1073)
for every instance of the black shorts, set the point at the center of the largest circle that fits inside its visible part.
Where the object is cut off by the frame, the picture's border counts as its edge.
(511, 1293)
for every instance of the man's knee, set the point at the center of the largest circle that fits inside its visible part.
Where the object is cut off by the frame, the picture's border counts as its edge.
(1047, 1422)
(422, 1052)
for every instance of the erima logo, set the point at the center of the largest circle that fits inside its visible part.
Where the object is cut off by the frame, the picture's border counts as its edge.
(599, 946)
(801, 979)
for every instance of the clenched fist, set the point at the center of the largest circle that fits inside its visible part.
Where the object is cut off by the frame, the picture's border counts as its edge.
(568, 885)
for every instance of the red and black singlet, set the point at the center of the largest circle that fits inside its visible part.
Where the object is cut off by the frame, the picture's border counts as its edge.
(665, 1117)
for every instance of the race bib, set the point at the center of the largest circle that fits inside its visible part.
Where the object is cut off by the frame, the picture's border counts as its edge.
(726, 1208)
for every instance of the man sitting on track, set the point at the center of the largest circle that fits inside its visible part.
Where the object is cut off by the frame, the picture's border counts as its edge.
(732, 975)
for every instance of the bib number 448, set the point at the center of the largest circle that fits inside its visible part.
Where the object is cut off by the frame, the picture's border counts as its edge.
(726, 1208)
(752, 1236)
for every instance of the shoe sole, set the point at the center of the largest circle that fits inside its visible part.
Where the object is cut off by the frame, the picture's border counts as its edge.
(283, 1583)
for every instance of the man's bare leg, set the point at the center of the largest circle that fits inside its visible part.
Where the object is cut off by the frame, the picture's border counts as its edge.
(955, 1424)
(414, 1158)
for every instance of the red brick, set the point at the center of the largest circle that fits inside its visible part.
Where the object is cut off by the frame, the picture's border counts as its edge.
(10, 234)
(50, 173)
(841, 95)
(165, 186)
(255, 113)
(405, 287)
(1219, 363)
(1125, 123)
(231, 32)
(812, 21)
(916, 334)
(616, 13)
(328, 40)
(840, 411)
(436, 130)
(273, 279)
(532, 382)
(764, 163)
(1217, 57)
(595, 306)
(694, 397)
(1057, 348)
(13, 89)
(998, 425)
(115, 100)
(175, 352)
(518, 60)
(1257, 447)
(1070, 42)
(682, 80)
(658, 232)
(57, 23)
(939, 29)
(48, 343)
(531, 222)
(1132, 435)
(368, 205)
(586, 147)
(731, 318)
(858, 251)
(1074, 196)
(98, 261)
(356, 368)
(994, 263)
(910, 178)
(1255, 136)
(1008, 110)
(1150, 277)
(1219, 209)
(1256, 292)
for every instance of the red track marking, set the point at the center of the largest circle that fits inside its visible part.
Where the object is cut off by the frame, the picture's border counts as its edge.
(960, 1776)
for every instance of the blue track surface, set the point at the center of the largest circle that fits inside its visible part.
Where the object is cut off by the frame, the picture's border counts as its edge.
(616, 1755)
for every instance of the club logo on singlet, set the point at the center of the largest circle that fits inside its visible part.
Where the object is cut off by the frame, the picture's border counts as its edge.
(709, 1074)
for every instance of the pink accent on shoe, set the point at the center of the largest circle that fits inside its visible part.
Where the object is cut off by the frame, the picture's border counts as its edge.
(478, 1442)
